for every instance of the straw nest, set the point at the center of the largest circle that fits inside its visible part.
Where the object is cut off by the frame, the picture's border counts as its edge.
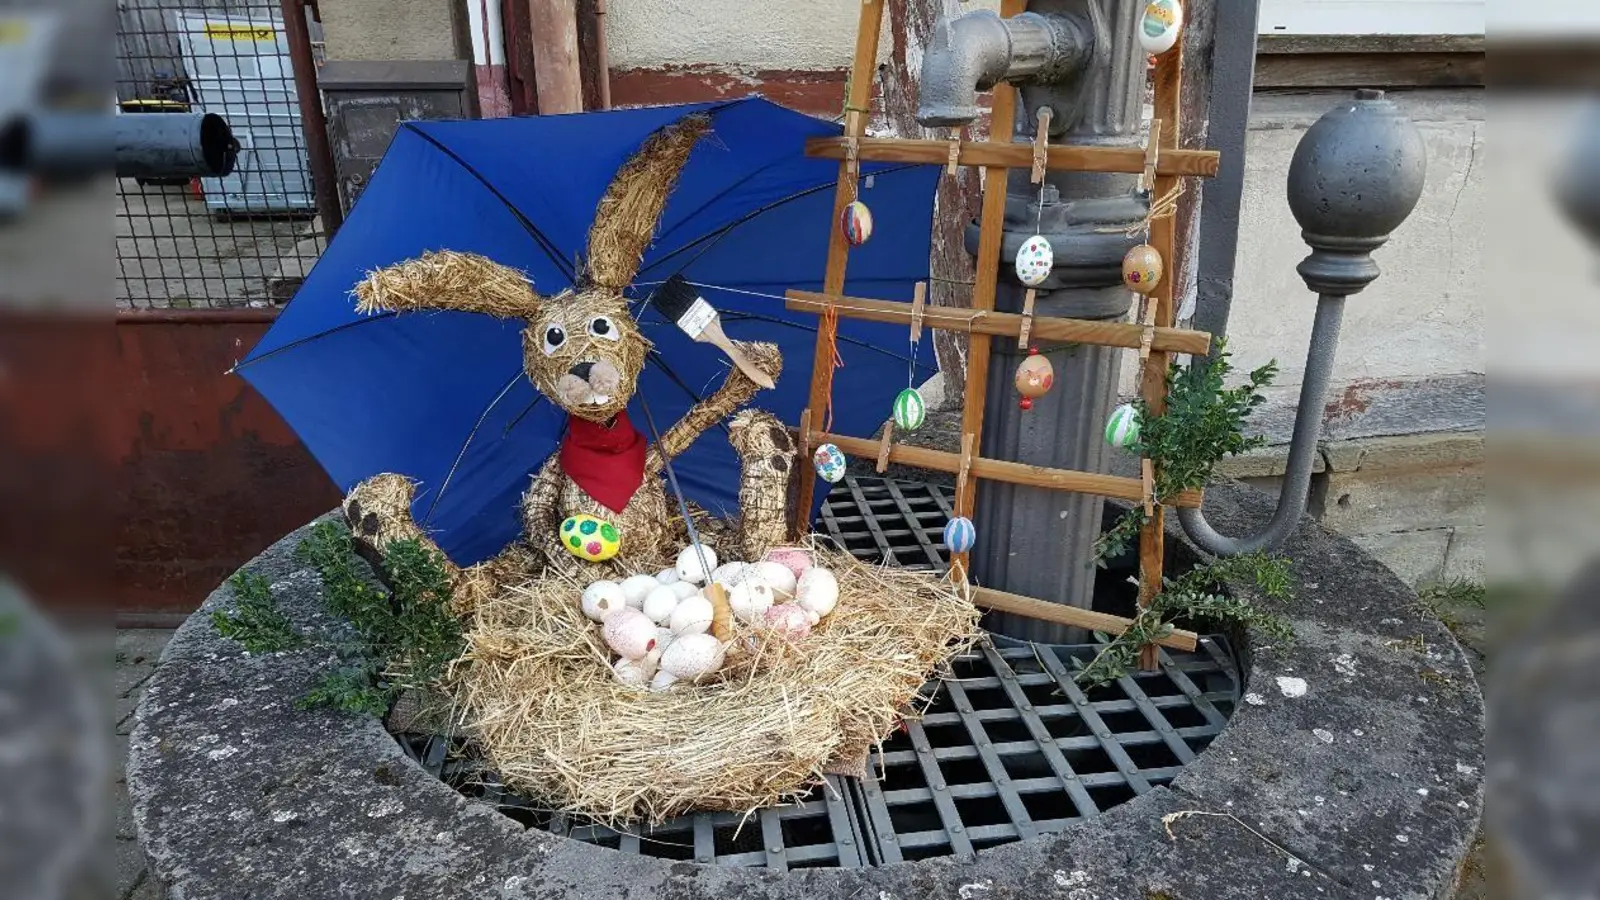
(537, 693)
(448, 279)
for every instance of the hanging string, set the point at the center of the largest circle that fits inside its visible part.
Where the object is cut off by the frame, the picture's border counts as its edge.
(829, 332)
(1164, 208)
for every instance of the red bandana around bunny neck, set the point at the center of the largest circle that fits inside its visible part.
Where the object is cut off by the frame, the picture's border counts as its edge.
(607, 463)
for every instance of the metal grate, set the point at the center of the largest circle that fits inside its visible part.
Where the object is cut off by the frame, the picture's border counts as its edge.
(244, 240)
(1009, 747)
(896, 522)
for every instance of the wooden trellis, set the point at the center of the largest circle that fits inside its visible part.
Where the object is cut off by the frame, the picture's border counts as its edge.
(1162, 163)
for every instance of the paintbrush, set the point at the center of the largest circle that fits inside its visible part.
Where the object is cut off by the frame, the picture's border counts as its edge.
(679, 301)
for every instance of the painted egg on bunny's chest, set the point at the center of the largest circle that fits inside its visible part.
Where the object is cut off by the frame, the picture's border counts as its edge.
(590, 538)
(830, 463)
(1035, 260)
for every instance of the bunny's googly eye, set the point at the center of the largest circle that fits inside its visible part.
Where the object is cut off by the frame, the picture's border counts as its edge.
(554, 337)
(604, 328)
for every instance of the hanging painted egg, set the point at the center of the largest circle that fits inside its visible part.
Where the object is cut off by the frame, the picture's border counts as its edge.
(909, 410)
(590, 538)
(856, 222)
(1035, 377)
(1034, 260)
(959, 535)
(1159, 27)
(830, 463)
(1122, 429)
(1142, 269)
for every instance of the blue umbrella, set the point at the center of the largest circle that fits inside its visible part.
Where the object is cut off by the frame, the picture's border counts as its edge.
(441, 396)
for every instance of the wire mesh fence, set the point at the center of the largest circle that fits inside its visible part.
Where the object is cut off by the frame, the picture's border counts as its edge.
(244, 240)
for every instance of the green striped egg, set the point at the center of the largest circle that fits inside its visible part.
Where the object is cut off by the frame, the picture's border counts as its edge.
(1122, 430)
(909, 410)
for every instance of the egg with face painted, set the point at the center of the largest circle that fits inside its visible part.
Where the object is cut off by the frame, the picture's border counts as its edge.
(830, 463)
(590, 538)
(1035, 260)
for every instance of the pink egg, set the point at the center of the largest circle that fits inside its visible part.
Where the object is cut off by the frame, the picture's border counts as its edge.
(788, 620)
(795, 559)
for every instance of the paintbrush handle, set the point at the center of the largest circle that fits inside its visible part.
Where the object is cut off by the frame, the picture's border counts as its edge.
(712, 334)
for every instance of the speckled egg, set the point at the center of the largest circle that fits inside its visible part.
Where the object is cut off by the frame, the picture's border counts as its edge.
(795, 559)
(750, 598)
(777, 576)
(590, 538)
(629, 633)
(693, 616)
(817, 592)
(789, 620)
(830, 463)
(693, 656)
(1035, 259)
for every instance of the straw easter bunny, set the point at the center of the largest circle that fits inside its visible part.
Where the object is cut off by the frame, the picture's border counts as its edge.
(584, 351)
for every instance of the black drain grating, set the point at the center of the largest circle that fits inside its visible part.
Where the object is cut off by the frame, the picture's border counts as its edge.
(1009, 747)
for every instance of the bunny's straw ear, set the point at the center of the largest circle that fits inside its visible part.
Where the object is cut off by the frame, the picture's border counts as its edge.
(449, 280)
(626, 220)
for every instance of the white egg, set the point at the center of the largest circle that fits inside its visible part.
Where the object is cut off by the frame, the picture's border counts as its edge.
(728, 574)
(777, 576)
(662, 681)
(668, 576)
(659, 603)
(693, 616)
(691, 566)
(685, 589)
(603, 598)
(693, 656)
(638, 587)
(629, 634)
(817, 592)
(750, 598)
(631, 672)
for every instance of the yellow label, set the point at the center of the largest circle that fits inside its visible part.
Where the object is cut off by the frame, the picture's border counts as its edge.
(257, 33)
(13, 31)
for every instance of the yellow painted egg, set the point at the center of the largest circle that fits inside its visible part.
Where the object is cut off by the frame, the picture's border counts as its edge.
(590, 538)
(1142, 269)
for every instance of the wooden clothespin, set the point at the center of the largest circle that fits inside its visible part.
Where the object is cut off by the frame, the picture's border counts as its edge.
(1148, 338)
(1027, 319)
(1041, 145)
(919, 298)
(1147, 474)
(1152, 155)
(966, 467)
(852, 155)
(953, 162)
(883, 446)
(803, 438)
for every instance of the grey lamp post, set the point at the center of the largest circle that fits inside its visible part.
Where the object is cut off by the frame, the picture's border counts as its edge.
(1355, 177)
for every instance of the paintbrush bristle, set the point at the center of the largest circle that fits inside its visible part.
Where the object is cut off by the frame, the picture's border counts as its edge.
(675, 297)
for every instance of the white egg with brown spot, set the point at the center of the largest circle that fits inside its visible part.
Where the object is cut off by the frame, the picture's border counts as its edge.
(817, 592)
(601, 599)
(695, 563)
(750, 598)
(693, 656)
(629, 633)
(693, 616)
(779, 577)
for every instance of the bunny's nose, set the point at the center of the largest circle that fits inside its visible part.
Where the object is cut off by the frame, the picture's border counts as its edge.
(581, 370)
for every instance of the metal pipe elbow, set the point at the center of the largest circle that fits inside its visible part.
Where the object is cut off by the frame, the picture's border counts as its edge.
(976, 51)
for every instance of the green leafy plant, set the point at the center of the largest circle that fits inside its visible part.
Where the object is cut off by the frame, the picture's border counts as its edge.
(1203, 423)
(255, 622)
(406, 635)
(1198, 594)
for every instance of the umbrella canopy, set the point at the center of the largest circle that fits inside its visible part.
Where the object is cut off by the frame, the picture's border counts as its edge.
(441, 396)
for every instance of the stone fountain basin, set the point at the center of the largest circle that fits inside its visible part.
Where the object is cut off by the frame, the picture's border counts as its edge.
(1358, 751)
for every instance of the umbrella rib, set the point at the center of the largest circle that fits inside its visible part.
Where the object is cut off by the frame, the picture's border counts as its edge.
(544, 243)
(445, 485)
(376, 317)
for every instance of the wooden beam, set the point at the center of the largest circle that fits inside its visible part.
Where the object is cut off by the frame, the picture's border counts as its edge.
(999, 324)
(1061, 614)
(1174, 162)
(1114, 486)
